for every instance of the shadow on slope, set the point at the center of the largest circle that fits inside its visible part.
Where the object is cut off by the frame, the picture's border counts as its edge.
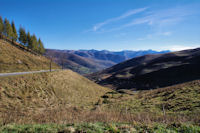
(152, 71)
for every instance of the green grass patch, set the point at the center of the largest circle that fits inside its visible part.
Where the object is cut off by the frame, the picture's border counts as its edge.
(100, 128)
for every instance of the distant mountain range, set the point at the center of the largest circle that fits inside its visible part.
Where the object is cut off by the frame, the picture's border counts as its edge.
(152, 71)
(88, 61)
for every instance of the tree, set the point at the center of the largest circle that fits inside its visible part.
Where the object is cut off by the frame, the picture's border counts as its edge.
(1, 25)
(34, 43)
(14, 32)
(29, 41)
(41, 49)
(7, 28)
(22, 36)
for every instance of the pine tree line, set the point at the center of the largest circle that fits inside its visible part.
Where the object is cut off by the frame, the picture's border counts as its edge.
(25, 38)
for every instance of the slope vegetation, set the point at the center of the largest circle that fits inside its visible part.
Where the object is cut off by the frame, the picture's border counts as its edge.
(152, 71)
(14, 59)
(65, 97)
(182, 98)
(47, 90)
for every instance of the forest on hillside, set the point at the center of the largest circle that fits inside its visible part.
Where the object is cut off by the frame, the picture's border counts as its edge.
(9, 31)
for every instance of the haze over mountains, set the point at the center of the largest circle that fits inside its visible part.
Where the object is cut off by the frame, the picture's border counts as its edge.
(152, 71)
(88, 61)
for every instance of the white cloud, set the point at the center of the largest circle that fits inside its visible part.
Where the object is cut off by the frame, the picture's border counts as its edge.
(123, 16)
(157, 19)
(162, 17)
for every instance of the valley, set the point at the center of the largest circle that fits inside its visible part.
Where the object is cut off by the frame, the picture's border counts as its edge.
(99, 66)
(89, 61)
(152, 71)
(65, 97)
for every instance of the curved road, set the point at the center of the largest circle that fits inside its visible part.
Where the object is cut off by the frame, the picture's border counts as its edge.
(22, 73)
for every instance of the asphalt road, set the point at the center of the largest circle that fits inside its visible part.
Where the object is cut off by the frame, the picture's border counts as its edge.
(22, 73)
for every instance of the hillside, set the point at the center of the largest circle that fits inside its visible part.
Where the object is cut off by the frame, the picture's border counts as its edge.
(182, 98)
(64, 97)
(14, 59)
(89, 61)
(47, 91)
(152, 71)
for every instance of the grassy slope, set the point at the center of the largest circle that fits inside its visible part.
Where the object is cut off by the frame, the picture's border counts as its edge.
(65, 97)
(47, 90)
(66, 87)
(13, 59)
(182, 98)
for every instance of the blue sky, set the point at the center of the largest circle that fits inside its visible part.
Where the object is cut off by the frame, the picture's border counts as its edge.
(109, 24)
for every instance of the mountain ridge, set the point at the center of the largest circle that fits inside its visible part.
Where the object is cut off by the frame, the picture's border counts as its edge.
(152, 71)
(89, 61)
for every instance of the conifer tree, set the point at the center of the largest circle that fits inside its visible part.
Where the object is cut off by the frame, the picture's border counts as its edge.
(41, 49)
(1, 25)
(7, 28)
(14, 32)
(22, 36)
(34, 45)
(29, 41)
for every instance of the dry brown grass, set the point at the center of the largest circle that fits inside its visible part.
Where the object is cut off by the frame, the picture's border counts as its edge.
(48, 90)
(178, 98)
(65, 97)
(66, 115)
(13, 59)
